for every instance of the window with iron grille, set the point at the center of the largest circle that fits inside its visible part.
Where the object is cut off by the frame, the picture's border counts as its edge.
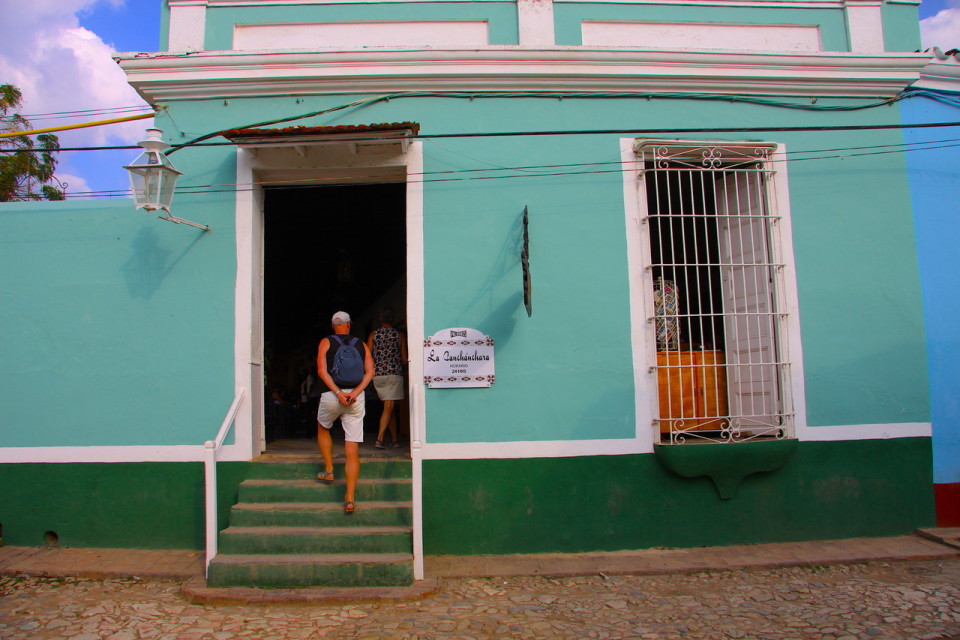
(714, 275)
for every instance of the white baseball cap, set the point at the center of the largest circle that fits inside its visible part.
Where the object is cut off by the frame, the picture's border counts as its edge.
(341, 317)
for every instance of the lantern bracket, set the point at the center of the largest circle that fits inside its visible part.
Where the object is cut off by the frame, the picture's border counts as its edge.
(153, 179)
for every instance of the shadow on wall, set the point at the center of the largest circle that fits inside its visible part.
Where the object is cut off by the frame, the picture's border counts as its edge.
(501, 321)
(146, 269)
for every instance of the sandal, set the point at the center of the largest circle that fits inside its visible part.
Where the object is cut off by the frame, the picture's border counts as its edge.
(395, 444)
(379, 444)
(325, 477)
(349, 506)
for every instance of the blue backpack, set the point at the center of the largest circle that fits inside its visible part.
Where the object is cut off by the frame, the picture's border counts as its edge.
(347, 368)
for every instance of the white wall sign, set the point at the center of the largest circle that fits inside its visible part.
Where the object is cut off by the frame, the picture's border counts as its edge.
(457, 358)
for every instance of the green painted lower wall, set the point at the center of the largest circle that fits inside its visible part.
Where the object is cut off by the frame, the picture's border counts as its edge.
(826, 490)
(477, 507)
(111, 505)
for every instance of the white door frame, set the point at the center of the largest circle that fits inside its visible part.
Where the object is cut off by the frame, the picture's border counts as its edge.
(254, 168)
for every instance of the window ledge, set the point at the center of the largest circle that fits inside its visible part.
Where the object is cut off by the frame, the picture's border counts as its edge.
(727, 464)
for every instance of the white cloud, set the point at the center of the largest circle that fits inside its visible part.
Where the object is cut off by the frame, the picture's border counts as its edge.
(75, 184)
(60, 66)
(941, 30)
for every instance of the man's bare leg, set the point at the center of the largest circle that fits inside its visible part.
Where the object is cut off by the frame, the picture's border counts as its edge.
(325, 442)
(351, 469)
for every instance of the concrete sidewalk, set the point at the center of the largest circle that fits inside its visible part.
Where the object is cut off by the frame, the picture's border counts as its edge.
(929, 543)
(178, 564)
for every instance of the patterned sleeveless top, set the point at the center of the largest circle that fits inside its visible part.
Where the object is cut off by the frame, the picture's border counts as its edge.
(387, 359)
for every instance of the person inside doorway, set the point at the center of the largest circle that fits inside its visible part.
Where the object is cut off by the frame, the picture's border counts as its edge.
(389, 348)
(345, 367)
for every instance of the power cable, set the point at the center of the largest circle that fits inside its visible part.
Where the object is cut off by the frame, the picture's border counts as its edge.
(452, 175)
(86, 113)
(494, 134)
(812, 106)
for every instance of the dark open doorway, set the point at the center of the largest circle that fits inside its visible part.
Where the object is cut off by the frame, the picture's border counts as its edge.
(326, 249)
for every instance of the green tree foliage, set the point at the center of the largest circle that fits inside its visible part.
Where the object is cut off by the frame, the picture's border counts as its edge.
(25, 174)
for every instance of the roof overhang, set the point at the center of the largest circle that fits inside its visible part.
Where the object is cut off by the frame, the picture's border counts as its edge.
(381, 138)
(340, 154)
(213, 74)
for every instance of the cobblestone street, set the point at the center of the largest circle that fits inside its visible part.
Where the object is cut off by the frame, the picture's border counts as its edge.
(915, 599)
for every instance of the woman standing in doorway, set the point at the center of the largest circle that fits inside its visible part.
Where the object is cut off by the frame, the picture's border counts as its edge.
(389, 348)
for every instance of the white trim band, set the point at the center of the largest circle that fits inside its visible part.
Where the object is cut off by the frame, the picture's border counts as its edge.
(449, 451)
(579, 448)
(139, 453)
(160, 77)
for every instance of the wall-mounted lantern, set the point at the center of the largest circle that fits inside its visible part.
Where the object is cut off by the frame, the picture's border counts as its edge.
(153, 179)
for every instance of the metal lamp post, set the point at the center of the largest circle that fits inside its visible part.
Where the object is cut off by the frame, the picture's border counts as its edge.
(153, 178)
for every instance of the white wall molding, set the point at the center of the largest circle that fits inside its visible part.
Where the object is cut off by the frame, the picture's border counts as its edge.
(188, 20)
(641, 338)
(358, 35)
(806, 4)
(701, 36)
(447, 451)
(778, 4)
(865, 25)
(140, 453)
(161, 77)
(294, 3)
(577, 448)
(535, 18)
(248, 326)
(943, 73)
(534, 449)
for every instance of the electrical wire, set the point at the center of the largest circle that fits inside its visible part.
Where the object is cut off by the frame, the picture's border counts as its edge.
(545, 95)
(86, 113)
(265, 123)
(812, 106)
(495, 134)
(552, 170)
(950, 99)
(535, 171)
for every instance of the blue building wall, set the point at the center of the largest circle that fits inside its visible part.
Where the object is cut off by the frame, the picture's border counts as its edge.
(935, 182)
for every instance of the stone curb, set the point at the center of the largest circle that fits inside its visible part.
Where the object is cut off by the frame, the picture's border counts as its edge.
(196, 590)
(949, 536)
(56, 562)
(188, 565)
(665, 561)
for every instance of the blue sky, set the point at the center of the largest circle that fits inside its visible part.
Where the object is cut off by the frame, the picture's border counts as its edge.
(131, 26)
(932, 7)
(59, 53)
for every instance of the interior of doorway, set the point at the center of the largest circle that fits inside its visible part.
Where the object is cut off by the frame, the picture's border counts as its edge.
(327, 249)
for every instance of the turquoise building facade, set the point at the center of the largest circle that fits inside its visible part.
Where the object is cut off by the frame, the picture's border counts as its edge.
(386, 152)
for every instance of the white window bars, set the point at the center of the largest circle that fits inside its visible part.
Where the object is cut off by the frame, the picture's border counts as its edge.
(715, 284)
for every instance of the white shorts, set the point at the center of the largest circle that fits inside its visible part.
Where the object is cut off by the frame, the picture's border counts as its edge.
(351, 416)
(389, 387)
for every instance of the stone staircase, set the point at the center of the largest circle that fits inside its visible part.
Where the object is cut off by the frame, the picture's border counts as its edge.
(290, 531)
